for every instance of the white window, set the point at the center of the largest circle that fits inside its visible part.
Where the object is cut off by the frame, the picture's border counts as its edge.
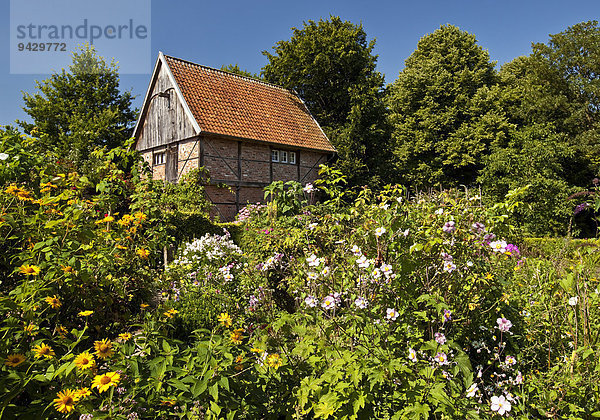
(283, 155)
(293, 158)
(158, 158)
(274, 155)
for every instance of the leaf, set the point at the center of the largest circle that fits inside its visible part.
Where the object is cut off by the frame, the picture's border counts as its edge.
(199, 387)
(213, 390)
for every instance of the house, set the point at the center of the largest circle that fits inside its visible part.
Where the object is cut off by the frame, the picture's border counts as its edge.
(245, 132)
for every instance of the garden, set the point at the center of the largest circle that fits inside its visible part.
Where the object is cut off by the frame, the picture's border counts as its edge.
(327, 302)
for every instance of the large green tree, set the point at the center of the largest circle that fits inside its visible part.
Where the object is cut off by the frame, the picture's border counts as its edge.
(551, 99)
(78, 110)
(331, 65)
(442, 110)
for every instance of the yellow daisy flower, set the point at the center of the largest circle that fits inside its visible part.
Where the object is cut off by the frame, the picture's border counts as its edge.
(105, 220)
(53, 301)
(103, 382)
(29, 270)
(43, 350)
(31, 329)
(12, 189)
(274, 361)
(142, 252)
(66, 401)
(125, 336)
(83, 392)
(170, 313)
(62, 331)
(67, 269)
(14, 360)
(144, 305)
(85, 313)
(85, 361)
(103, 348)
(236, 336)
(225, 319)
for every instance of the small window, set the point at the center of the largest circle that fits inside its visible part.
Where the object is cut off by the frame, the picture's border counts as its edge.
(283, 155)
(274, 155)
(293, 158)
(159, 158)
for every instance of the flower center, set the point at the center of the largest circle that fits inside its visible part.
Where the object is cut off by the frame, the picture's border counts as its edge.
(105, 380)
(68, 401)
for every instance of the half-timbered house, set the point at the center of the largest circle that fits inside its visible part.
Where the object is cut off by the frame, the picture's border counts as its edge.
(245, 132)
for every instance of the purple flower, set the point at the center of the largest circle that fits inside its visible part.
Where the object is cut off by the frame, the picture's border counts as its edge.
(447, 316)
(440, 338)
(504, 324)
(310, 301)
(580, 207)
(513, 249)
(478, 227)
(449, 227)
(446, 256)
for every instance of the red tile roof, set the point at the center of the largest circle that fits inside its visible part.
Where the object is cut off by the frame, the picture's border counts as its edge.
(232, 105)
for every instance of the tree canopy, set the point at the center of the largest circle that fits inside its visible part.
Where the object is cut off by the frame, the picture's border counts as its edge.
(330, 65)
(438, 106)
(80, 109)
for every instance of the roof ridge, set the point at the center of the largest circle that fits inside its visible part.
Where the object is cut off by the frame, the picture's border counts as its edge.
(251, 79)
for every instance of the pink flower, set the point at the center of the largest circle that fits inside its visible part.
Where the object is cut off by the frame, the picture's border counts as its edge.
(440, 338)
(500, 404)
(449, 227)
(447, 315)
(504, 324)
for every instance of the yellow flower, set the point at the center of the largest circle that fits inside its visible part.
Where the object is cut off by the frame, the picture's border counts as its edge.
(125, 336)
(239, 365)
(105, 220)
(43, 350)
(489, 276)
(170, 313)
(121, 247)
(140, 216)
(103, 348)
(85, 313)
(125, 220)
(66, 401)
(236, 336)
(14, 360)
(274, 361)
(142, 252)
(12, 189)
(62, 331)
(144, 305)
(103, 382)
(83, 392)
(67, 269)
(256, 350)
(168, 402)
(31, 329)
(85, 361)
(29, 270)
(24, 195)
(53, 301)
(225, 319)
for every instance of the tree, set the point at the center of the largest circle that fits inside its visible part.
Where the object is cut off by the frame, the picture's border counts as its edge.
(552, 99)
(235, 69)
(78, 110)
(330, 65)
(440, 107)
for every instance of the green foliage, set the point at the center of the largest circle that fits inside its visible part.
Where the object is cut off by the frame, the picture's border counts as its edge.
(78, 110)
(235, 69)
(330, 65)
(442, 111)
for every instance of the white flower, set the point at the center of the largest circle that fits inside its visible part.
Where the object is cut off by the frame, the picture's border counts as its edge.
(312, 261)
(380, 231)
(3, 156)
(399, 200)
(361, 302)
(510, 360)
(439, 211)
(228, 277)
(469, 263)
(498, 246)
(386, 269)
(472, 390)
(406, 232)
(310, 301)
(412, 355)
(440, 338)
(308, 188)
(363, 262)
(328, 302)
(500, 404)
(356, 251)
(312, 276)
(441, 358)
(326, 270)
(449, 266)
(384, 206)
(311, 226)
(573, 300)
(449, 227)
(376, 273)
(391, 314)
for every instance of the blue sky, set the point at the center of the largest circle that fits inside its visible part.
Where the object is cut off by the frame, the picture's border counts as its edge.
(230, 32)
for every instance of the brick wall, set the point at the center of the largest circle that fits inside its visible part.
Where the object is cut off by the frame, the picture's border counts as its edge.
(189, 151)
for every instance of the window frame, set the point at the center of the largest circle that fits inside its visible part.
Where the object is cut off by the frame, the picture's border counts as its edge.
(292, 158)
(275, 155)
(163, 158)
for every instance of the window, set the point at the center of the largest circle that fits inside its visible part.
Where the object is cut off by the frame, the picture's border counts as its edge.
(274, 155)
(158, 158)
(283, 155)
(293, 158)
